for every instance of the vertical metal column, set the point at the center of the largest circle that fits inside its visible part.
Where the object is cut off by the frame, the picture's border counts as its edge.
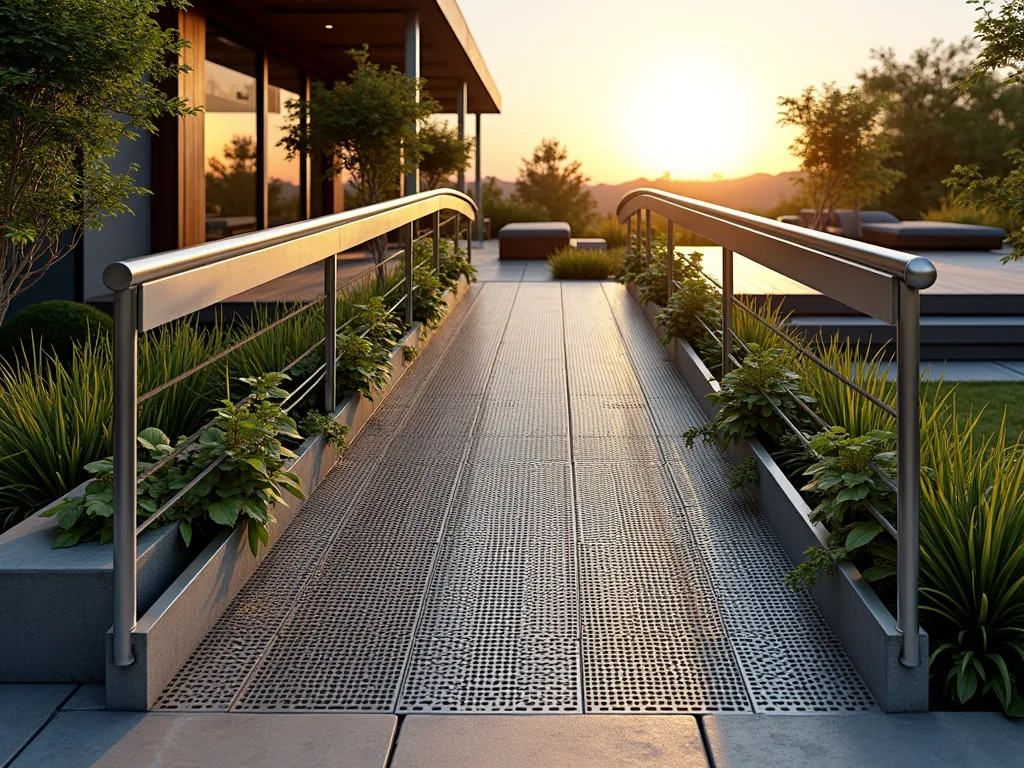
(469, 244)
(410, 235)
(908, 463)
(458, 226)
(670, 259)
(126, 394)
(639, 238)
(412, 69)
(647, 234)
(479, 188)
(262, 149)
(330, 333)
(436, 236)
(461, 100)
(727, 294)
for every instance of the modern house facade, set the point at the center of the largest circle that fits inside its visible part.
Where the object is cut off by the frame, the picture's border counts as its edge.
(222, 172)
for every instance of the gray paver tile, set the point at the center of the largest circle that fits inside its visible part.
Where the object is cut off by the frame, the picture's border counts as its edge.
(552, 741)
(122, 739)
(88, 697)
(23, 710)
(975, 739)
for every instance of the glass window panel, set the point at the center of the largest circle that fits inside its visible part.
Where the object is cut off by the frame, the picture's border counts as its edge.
(284, 180)
(230, 136)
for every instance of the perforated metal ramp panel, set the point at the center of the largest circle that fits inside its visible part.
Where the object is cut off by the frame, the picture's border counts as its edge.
(519, 528)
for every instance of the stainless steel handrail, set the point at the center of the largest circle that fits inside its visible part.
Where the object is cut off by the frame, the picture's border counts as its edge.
(153, 290)
(881, 282)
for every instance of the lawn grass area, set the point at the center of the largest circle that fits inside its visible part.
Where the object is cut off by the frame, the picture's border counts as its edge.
(994, 397)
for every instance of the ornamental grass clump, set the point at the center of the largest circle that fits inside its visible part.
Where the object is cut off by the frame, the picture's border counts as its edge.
(574, 264)
(972, 561)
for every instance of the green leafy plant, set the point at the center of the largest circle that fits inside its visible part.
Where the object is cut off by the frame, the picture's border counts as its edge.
(375, 322)
(749, 397)
(244, 449)
(845, 480)
(428, 305)
(454, 265)
(573, 264)
(820, 560)
(316, 423)
(361, 366)
(410, 353)
(277, 347)
(745, 474)
(693, 305)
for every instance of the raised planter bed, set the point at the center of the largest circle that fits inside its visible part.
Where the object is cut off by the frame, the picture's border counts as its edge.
(176, 623)
(860, 620)
(56, 605)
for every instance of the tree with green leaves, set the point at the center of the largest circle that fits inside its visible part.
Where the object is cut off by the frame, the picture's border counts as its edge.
(77, 78)
(550, 183)
(444, 154)
(364, 127)
(1000, 30)
(842, 151)
(933, 122)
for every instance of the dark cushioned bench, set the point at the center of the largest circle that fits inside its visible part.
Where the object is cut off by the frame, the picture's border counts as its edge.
(933, 235)
(532, 240)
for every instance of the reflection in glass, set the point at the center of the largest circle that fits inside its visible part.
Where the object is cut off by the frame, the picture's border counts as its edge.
(230, 137)
(284, 181)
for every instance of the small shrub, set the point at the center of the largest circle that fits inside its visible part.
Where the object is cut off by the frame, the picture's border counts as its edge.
(410, 353)
(694, 301)
(377, 324)
(55, 327)
(745, 474)
(428, 305)
(246, 441)
(279, 346)
(748, 398)
(316, 423)
(573, 264)
(610, 229)
(361, 365)
(963, 213)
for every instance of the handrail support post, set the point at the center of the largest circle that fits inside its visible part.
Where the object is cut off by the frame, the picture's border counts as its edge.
(670, 253)
(648, 235)
(410, 235)
(436, 236)
(727, 310)
(126, 393)
(908, 464)
(330, 333)
(629, 234)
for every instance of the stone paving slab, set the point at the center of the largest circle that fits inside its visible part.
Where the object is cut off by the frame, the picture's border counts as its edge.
(168, 740)
(24, 709)
(931, 740)
(87, 698)
(549, 741)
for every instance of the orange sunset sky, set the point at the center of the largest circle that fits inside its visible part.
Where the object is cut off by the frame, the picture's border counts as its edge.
(644, 87)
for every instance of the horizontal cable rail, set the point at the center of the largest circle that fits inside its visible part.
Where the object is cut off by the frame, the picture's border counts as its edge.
(154, 290)
(879, 282)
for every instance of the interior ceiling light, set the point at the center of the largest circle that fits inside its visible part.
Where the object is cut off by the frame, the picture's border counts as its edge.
(328, 26)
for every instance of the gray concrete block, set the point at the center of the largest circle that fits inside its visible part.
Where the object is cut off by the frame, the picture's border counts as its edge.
(976, 739)
(56, 604)
(549, 741)
(123, 739)
(24, 709)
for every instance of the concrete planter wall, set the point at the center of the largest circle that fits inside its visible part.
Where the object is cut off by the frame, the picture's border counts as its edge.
(56, 605)
(860, 620)
(178, 620)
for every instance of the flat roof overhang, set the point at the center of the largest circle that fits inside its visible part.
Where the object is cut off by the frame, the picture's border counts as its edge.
(298, 29)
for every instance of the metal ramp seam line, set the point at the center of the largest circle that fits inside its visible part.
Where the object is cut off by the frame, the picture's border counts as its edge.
(433, 567)
(343, 518)
(701, 558)
(577, 525)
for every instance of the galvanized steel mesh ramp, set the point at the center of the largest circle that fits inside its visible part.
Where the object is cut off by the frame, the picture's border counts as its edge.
(520, 528)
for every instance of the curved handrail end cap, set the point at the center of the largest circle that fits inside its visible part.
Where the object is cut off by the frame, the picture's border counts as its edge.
(921, 273)
(117, 276)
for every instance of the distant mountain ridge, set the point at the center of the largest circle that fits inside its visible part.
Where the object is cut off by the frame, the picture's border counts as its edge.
(757, 192)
